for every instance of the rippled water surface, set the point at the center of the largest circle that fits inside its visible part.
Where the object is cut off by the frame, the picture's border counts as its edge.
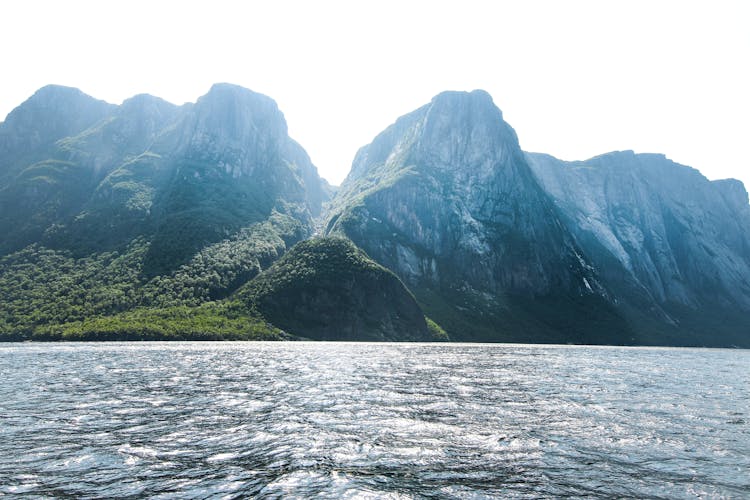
(337, 420)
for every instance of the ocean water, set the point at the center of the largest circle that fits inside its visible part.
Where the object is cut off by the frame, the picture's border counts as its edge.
(341, 420)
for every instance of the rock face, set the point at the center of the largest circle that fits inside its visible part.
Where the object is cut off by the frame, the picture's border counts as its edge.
(37, 183)
(328, 289)
(501, 245)
(673, 246)
(445, 198)
(229, 163)
(243, 132)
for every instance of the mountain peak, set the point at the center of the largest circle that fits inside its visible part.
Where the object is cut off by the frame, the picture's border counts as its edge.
(478, 96)
(54, 91)
(56, 100)
(51, 113)
(232, 87)
(228, 93)
(457, 131)
(477, 103)
(144, 100)
(466, 128)
(240, 111)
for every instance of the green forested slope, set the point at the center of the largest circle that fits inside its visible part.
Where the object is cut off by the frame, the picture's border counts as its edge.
(328, 289)
(46, 293)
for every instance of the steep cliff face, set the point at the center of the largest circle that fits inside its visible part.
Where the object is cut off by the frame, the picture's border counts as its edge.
(673, 245)
(328, 289)
(242, 132)
(446, 199)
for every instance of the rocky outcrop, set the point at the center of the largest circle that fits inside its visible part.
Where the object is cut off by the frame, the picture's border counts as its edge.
(231, 164)
(328, 289)
(446, 199)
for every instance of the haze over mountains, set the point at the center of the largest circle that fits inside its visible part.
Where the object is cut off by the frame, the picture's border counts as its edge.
(149, 220)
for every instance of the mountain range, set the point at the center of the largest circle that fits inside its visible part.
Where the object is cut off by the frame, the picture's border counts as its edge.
(207, 221)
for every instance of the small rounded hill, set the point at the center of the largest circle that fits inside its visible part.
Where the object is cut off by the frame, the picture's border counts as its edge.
(328, 289)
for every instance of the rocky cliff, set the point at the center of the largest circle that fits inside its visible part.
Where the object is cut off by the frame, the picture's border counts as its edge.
(98, 174)
(54, 112)
(446, 199)
(497, 244)
(673, 246)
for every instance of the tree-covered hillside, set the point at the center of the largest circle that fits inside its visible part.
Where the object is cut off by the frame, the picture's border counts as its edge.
(328, 289)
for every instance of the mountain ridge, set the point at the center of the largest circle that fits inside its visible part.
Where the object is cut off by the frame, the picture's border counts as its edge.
(117, 217)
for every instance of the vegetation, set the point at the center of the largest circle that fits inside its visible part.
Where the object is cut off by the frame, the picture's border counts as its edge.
(437, 331)
(314, 261)
(47, 293)
(327, 288)
(210, 321)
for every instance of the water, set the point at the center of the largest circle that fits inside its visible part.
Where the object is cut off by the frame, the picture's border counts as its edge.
(337, 420)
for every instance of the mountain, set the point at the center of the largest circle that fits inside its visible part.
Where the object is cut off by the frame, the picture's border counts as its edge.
(500, 245)
(446, 199)
(147, 220)
(672, 245)
(106, 209)
(37, 184)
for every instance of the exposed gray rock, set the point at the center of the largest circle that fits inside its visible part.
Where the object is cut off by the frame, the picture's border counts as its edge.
(445, 198)
(243, 132)
(237, 128)
(665, 237)
(622, 248)
(734, 193)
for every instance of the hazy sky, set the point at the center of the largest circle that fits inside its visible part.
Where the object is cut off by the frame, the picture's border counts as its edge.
(574, 78)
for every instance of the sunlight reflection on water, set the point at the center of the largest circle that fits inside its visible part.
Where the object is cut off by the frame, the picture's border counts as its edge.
(338, 420)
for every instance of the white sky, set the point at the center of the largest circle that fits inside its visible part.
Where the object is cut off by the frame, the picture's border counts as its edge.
(574, 78)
